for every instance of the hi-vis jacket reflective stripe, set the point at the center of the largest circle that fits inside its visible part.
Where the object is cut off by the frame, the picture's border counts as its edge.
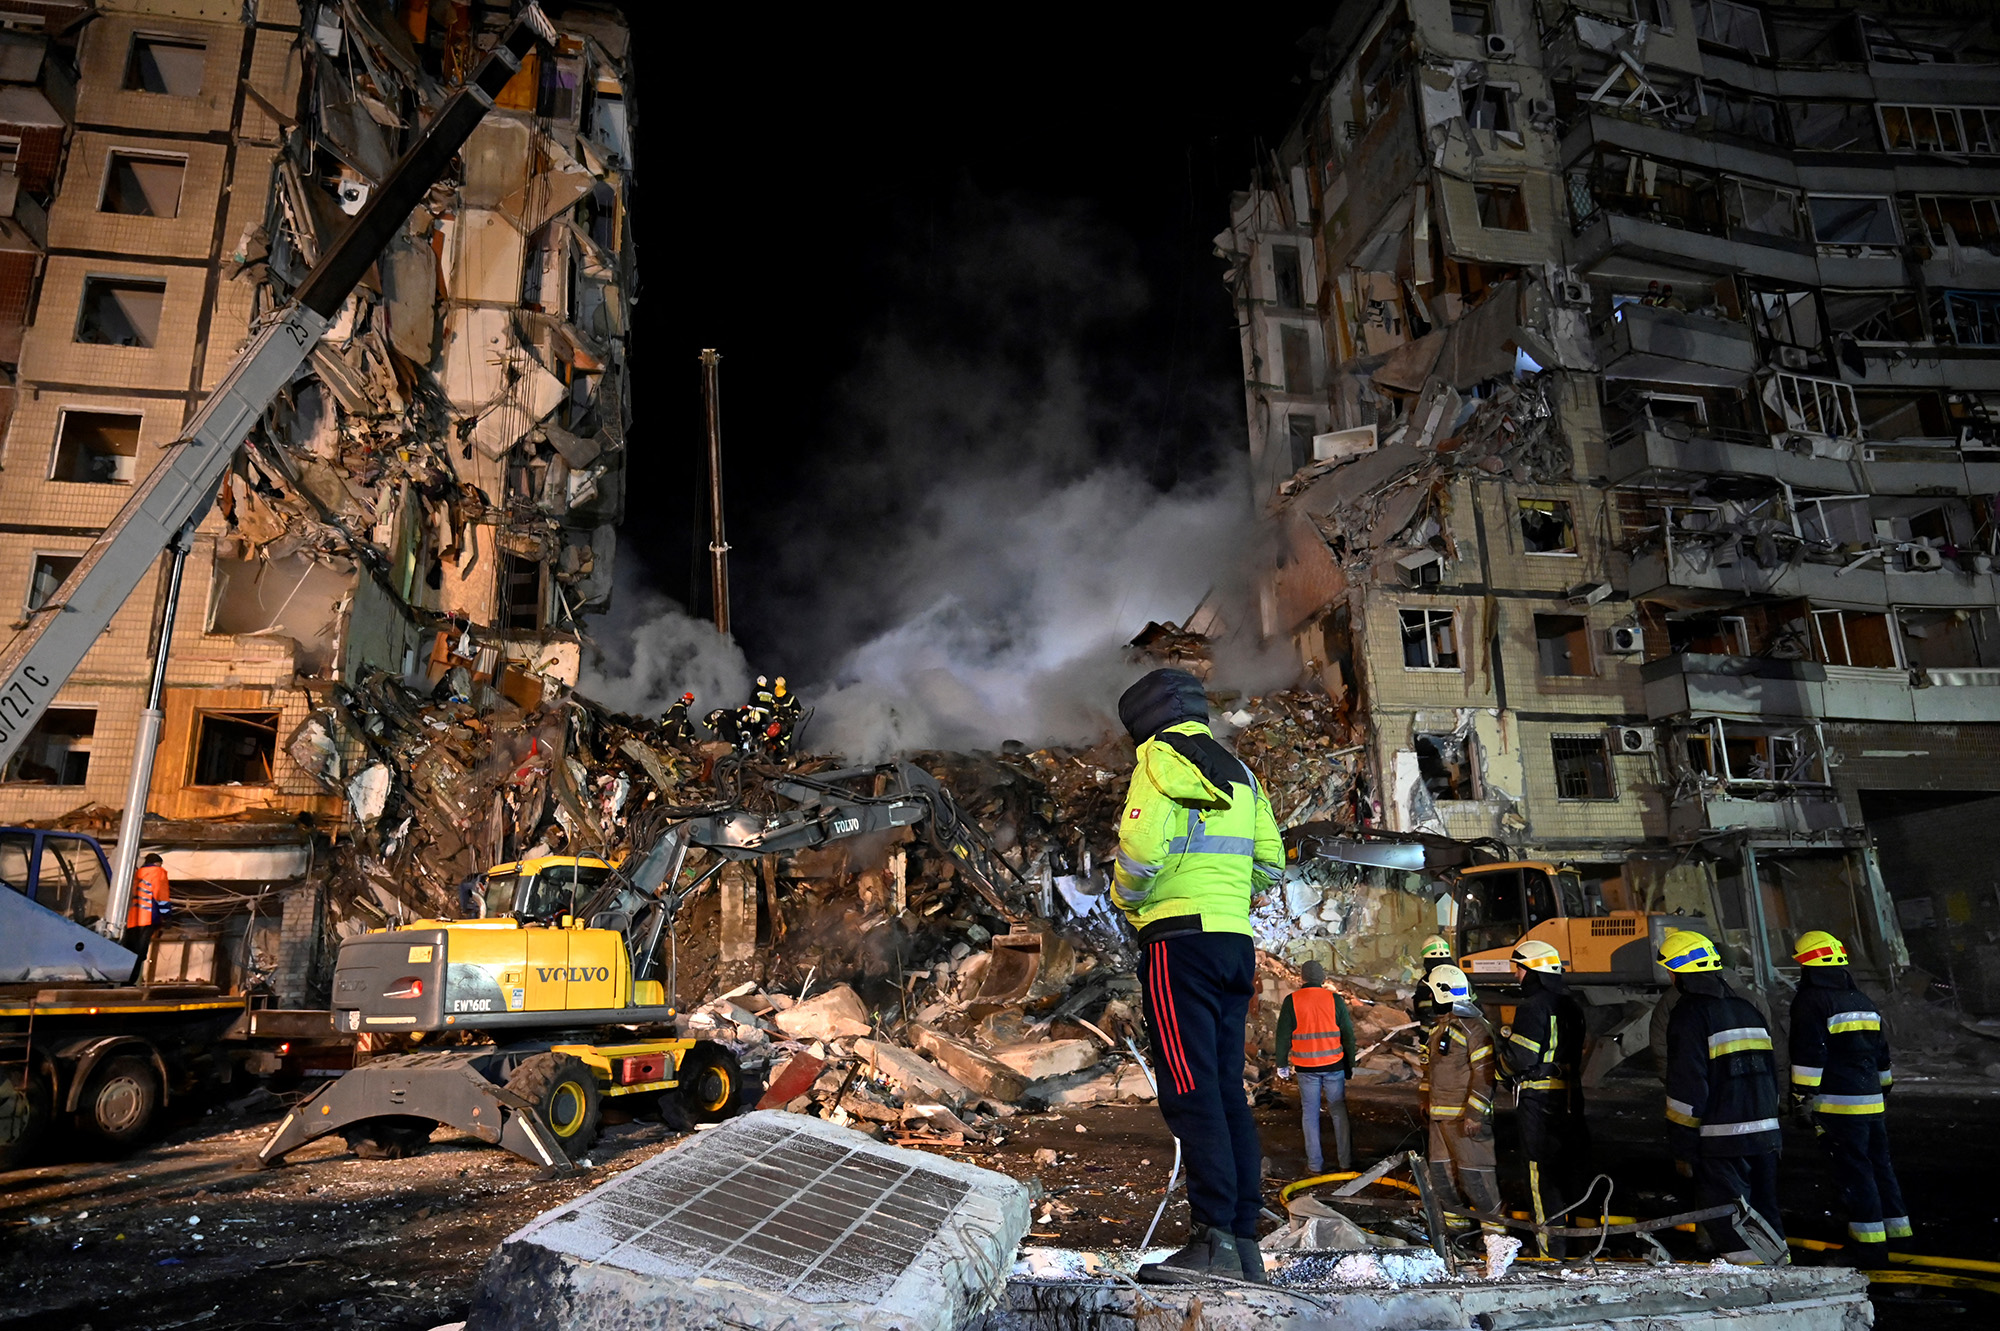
(1315, 1039)
(1458, 1066)
(149, 890)
(1187, 848)
(1839, 1054)
(1722, 1089)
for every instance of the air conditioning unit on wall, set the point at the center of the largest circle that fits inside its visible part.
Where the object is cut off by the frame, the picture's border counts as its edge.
(1923, 559)
(1499, 46)
(1625, 640)
(1631, 739)
(1794, 358)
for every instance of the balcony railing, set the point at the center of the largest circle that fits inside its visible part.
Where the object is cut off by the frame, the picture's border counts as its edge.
(1692, 683)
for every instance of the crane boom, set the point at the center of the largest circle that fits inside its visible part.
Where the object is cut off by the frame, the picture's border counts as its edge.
(179, 490)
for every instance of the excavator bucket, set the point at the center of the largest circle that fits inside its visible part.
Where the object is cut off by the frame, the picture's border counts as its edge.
(1026, 966)
(444, 1086)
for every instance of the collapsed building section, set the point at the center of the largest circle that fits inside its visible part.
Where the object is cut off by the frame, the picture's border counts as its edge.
(434, 500)
(1620, 395)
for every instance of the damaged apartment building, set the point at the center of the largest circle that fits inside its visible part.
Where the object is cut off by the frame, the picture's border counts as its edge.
(434, 498)
(1623, 382)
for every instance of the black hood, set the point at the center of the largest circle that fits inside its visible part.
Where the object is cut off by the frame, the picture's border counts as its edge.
(1826, 977)
(1537, 982)
(1161, 699)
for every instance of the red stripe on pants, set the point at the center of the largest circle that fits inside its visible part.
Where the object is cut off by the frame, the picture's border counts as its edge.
(1170, 1029)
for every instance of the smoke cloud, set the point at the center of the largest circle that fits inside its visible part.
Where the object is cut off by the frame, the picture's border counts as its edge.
(650, 651)
(982, 524)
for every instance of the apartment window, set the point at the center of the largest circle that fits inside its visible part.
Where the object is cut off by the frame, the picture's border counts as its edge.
(96, 447)
(1854, 638)
(47, 575)
(1288, 288)
(1446, 767)
(1709, 635)
(1968, 220)
(1728, 23)
(1852, 220)
(1299, 432)
(1295, 346)
(1949, 639)
(1831, 520)
(1430, 640)
(1764, 209)
(1501, 207)
(1489, 106)
(1583, 767)
(1744, 116)
(1656, 13)
(521, 593)
(1471, 18)
(57, 751)
(1833, 126)
(142, 185)
(171, 66)
(120, 311)
(1562, 642)
(1892, 317)
(235, 748)
(1813, 406)
(1972, 318)
(1546, 527)
(1941, 129)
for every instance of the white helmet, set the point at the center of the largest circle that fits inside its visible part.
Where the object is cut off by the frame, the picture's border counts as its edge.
(1448, 985)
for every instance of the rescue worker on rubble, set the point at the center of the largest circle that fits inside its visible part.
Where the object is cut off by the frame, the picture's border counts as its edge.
(1197, 834)
(1840, 1085)
(763, 697)
(1722, 1093)
(679, 730)
(1543, 1053)
(1316, 1041)
(151, 903)
(1457, 1094)
(1436, 953)
(724, 724)
(785, 707)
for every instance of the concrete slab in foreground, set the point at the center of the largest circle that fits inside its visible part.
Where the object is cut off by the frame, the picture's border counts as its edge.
(770, 1220)
(1352, 1292)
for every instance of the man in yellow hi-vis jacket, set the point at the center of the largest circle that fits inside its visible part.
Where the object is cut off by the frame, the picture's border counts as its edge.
(1196, 837)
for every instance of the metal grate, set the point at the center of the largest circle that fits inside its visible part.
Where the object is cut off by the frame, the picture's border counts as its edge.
(814, 1219)
(1614, 927)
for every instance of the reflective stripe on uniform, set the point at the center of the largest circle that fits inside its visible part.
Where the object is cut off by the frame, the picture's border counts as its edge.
(1867, 1231)
(1848, 1104)
(1898, 1227)
(1199, 842)
(1526, 1043)
(1739, 1129)
(1136, 868)
(1840, 1023)
(1804, 1076)
(1480, 1103)
(1270, 873)
(1681, 1112)
(1484, 1051)
(1546, 1084)
(1737, 1039)
(1888, 1079)
(1447, 1111)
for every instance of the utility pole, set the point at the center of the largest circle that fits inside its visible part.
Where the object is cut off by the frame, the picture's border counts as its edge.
(718, 548)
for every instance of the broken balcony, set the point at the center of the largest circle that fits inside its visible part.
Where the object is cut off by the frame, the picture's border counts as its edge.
(1754, 686)
(1669, 346)
(1694, 568)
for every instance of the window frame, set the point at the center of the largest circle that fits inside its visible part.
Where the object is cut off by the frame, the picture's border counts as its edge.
(1888, 209)
(238, 716)
(55, 445)
(1603, 751)
(115, 280)
(1816, 621)
(1559, 507)
(112, 156)
(1580, 625)
(1427, 623)
(130, 81)
(35, 557)
(1497, 189)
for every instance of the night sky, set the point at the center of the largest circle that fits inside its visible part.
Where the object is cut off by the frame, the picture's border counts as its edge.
(806, 184)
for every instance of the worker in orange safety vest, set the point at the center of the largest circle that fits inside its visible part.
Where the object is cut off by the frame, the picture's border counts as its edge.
(150, 904)
(1316, 1042)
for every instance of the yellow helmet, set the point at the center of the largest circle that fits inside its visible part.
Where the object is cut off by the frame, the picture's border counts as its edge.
(1436, 946)
(780, 685)
(1684, 951)
(1448, 985)
(1536, 955)
(1819, 948)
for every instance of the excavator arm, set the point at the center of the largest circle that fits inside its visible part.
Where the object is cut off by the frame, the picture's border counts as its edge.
(178, 491)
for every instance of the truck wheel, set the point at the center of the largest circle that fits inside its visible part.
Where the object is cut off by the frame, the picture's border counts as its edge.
(390, 1137)
(25, 1111)
(564, 1093)
(711, 1083)
(119, 1099)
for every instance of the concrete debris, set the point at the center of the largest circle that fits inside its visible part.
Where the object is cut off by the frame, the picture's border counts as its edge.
(769, 1220)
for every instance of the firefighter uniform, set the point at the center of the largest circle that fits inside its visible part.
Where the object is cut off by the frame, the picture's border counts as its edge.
(1457, 1092)
(1840, 1074)
(1196, 838)
(1436, 953)
(1722, 1091)
(679, 730)
(1544, 1053)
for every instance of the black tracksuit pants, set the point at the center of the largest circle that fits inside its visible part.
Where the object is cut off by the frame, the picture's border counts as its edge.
(1556, 1141)
(1198, 990)
(1724, 1178)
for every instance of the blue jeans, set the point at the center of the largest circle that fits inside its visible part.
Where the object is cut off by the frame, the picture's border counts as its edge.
(1332, 1084)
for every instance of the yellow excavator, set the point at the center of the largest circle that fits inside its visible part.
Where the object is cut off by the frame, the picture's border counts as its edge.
(549, 1000)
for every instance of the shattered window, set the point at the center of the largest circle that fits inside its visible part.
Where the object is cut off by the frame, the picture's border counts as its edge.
(1833, 126)
(96, 447)
(1471, 18)
(1968, 220)
(1907, 415)
(171, 66)
(1854, 638)
(1562, 642)
(1941, 129)
(1949, 639)
(48, 574)
(1709, 634)
(1766, 209)
(1848, 220)
(121, 311)
(1445, 764)
(1583, 767)
(143, 185)
(1876, 316)
(521, 593)
(1546, 528)
(1501, 207)
(1299, 432)
(1973, 318)
(235, 748)
(1295, 346)
(1812, 406)
(57, 751)
(1430, 640)
(1731, 24)
(1790, 318)
(1744, 116)
(1289, 290)
(1654, 12)
(1491, 913)
(1489, 106)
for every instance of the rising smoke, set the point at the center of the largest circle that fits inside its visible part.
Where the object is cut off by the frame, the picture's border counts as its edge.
(987, 525)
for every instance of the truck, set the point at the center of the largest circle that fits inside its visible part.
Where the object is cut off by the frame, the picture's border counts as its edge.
(86, 1051)
(79, 1044)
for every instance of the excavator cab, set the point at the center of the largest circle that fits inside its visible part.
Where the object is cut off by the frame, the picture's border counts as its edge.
(542, 891)
(1499, 905)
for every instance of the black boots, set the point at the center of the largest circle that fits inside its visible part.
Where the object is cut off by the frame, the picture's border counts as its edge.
(1252, 1261)
(1211, 1253)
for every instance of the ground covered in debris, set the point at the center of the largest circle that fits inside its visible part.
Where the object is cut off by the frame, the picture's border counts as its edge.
(180, 1234)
